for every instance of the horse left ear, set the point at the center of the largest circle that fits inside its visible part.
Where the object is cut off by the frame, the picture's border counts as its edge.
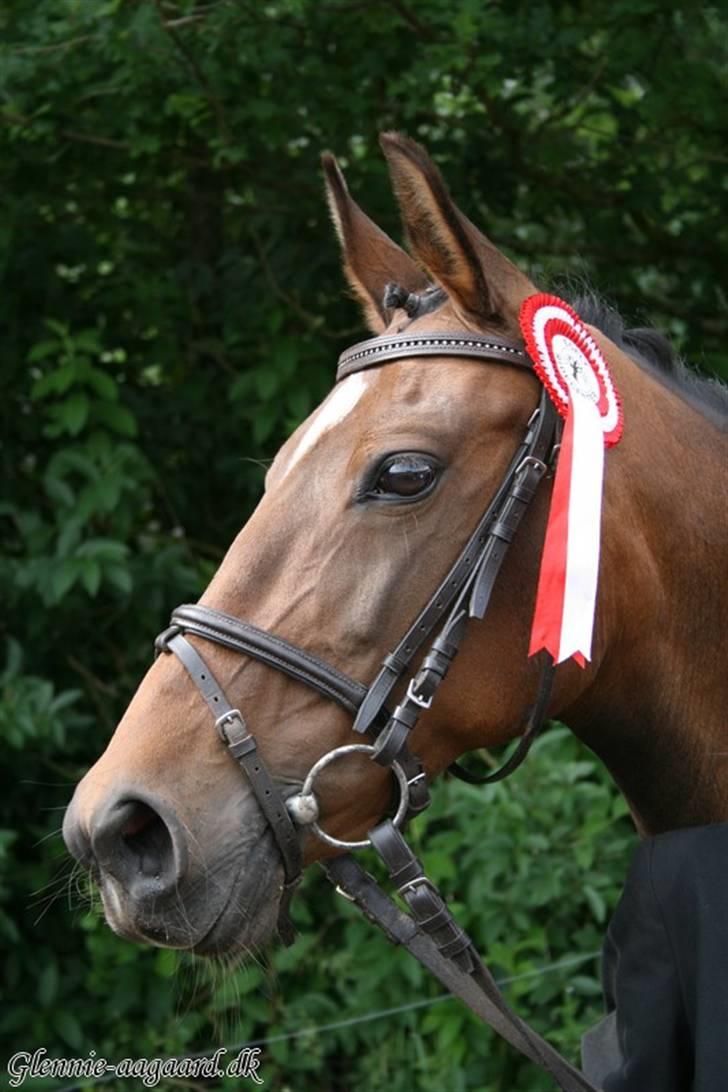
(371, 259)
(479, 280)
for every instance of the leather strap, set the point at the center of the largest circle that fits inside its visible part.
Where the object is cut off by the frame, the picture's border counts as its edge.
(293, 661)
(477, 989)
(241, 744)
(378, 350)
(428, 907)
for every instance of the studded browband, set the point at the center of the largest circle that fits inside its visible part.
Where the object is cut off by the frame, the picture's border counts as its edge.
(379, 350)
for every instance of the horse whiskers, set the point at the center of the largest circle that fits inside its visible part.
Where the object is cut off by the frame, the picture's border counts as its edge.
(48, 900)
(49, 835)
(64, 882)
(179, 902)
(196, 843)
(59, 877)
(47, 784)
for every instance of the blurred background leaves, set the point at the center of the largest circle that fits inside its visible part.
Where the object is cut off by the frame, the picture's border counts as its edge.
(171, 308)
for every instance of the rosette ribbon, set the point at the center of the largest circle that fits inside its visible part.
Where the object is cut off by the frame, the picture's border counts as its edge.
(572, 368)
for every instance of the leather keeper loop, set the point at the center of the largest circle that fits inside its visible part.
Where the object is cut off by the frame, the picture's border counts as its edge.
(407, 713)
(501, 530)
(242, 747)
(426, 682)
(439, 920)
(161, 643)
(389, 742)
(393, 663)
(525, 490)
(436, 662)
(406, 873)
(459, 943)
(419, 797)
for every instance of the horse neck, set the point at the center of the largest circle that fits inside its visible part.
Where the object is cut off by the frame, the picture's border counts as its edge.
(656, 711)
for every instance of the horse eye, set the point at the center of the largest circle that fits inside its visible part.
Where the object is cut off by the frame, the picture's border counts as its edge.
(404, 476)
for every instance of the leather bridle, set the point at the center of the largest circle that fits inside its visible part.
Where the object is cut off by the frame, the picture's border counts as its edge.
(429, 932)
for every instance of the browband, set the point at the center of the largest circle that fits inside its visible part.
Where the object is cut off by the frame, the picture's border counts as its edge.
(377, 350)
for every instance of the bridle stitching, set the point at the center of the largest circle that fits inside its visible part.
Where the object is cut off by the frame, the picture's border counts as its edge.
(310, 679)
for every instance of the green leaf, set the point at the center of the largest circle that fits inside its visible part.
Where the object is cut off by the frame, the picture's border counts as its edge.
(64, 576)
(48, 983)
(73, 413)
(596, 902)
(68, 1028)
(589, 987)
(102, 384)
(116, 417)
(91, 577)
(69, 537)
(59, 491)
(55, 382)
(120, 578)
(43, 349)
(13, 660)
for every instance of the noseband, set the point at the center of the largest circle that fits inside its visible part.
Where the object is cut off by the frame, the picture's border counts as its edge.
(430, 933)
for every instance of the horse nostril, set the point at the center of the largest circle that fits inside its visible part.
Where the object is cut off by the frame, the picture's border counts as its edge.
(146, 836)
(132, 841)
(138, 822)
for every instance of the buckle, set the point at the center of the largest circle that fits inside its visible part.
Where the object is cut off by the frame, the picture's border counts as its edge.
(553, 458)
(418, 881)
(424, 703)
(233, 716)
(532, 461)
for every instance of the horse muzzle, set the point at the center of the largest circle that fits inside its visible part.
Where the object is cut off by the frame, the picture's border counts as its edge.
(162, 885)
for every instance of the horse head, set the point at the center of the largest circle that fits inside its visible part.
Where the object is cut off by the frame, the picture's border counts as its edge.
(366, 507)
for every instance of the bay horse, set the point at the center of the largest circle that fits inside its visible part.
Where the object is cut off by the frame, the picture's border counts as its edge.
(368, 507)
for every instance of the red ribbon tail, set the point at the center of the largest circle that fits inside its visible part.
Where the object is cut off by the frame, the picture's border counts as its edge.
(548, 613)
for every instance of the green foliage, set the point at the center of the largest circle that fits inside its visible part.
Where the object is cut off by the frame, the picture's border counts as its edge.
(172, 307)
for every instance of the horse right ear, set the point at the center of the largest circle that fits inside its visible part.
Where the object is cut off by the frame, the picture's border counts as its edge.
(371, 259)
(482, 284)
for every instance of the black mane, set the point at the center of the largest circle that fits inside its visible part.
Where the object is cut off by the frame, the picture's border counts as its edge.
(652, 351)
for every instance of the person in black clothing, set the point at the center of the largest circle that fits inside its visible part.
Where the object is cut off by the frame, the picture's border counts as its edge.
(665, 971)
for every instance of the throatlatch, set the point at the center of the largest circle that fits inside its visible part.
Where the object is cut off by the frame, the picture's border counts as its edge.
(429, 932)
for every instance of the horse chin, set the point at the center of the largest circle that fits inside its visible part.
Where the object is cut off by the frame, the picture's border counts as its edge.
(246, 920)
(228, 909)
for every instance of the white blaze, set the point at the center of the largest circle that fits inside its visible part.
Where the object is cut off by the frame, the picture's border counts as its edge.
(330, 413)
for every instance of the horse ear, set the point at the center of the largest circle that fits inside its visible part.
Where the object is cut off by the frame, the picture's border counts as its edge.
(479, 280)
(371, 259)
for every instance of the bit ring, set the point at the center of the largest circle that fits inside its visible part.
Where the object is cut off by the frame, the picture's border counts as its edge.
(305, 802)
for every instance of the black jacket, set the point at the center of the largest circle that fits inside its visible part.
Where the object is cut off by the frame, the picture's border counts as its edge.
(665, 968)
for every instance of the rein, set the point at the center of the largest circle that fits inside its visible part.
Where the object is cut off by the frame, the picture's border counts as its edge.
(429, 932)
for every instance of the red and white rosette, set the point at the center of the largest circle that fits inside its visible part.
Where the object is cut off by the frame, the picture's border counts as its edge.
(572, 368)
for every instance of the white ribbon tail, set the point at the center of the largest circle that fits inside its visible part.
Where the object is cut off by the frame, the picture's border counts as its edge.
(583, 537)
